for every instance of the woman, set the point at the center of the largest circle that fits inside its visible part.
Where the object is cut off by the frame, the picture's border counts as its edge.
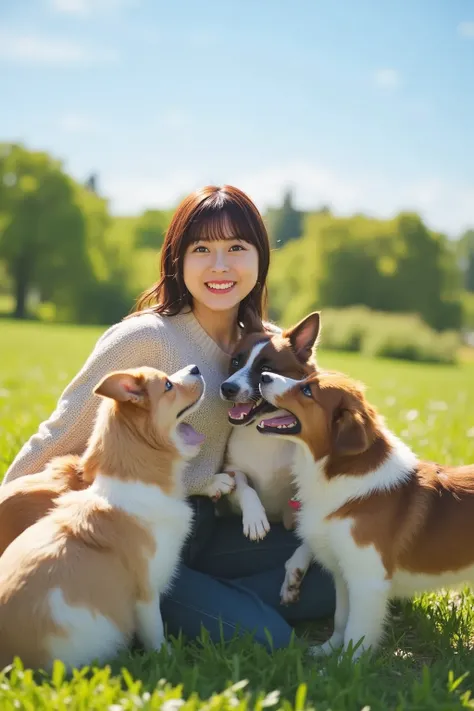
(214, 265)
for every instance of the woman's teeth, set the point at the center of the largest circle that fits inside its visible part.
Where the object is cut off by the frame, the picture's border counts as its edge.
(220, 286)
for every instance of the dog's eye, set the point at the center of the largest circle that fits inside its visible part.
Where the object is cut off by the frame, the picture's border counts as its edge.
(265, 368)
(235, 362)
(306, 390)
(168, 385)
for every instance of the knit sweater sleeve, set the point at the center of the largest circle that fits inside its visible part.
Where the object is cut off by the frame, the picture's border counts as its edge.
(132, 343)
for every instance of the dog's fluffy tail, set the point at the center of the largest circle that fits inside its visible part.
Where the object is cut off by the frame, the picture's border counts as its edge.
(28, 498)
(66, 473)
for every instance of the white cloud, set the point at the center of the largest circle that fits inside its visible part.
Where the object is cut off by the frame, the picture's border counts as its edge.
(312, 186)
(387, 78)
(77, 124)
(135, 193)
(466, 29)
(445, 206)
(87, 8)
(37, 49)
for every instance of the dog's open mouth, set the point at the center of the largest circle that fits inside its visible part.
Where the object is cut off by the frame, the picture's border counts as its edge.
(243, 413)
(188, 434)
(282, 424)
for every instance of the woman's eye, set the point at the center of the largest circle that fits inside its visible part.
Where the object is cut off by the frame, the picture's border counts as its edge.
(201, 249)
(168, 385)
(306, 390)
(237, 248)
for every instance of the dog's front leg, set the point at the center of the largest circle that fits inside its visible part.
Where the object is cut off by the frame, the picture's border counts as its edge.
(368, 605)
(295, 570)
(341, 616)
(150, 629)
(254, 519)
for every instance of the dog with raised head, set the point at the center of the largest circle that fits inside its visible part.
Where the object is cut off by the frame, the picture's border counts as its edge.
(79, 583)
(384, 523)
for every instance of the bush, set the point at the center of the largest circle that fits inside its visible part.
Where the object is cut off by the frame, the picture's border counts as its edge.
(102, 303)
(387, 335)
(345, 329)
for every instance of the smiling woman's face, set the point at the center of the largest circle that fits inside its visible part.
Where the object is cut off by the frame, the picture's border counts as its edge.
(220, 273)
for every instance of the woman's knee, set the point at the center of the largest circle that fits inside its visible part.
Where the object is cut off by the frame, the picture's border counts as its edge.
(224, 608)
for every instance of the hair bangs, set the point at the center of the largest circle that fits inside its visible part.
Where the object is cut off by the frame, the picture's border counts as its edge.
(219, 222)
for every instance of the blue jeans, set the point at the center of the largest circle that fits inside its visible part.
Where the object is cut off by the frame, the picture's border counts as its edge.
(227, 583)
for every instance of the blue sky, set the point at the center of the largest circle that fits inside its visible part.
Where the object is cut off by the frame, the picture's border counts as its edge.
(367, 105)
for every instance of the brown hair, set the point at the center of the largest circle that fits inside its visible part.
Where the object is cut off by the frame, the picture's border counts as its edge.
(209, 214)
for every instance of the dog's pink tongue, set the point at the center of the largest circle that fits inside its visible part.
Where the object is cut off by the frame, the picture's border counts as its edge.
(189, 435)
(283, 420)
(240, 410)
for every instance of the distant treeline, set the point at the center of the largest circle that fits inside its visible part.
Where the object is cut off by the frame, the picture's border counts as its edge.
(64, 257)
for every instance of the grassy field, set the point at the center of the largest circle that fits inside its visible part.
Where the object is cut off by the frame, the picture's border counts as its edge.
(427, 661)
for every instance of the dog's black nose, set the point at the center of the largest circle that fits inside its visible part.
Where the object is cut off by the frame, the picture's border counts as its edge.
(229, 389)
(195, 370)
(266, 378)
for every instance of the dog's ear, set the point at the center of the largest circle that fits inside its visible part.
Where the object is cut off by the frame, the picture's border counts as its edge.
(350, 433)
(304, 335)
(122, 387)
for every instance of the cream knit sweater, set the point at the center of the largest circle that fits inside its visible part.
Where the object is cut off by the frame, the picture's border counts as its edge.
(167, 343)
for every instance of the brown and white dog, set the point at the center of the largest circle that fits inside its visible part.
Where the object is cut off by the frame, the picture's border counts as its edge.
(262, 468)
(79, 583)
(384, 523)
(25, 500)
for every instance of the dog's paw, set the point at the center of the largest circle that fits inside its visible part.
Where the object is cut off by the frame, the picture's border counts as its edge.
(295, 570)
(321, 650)
(221, 485)
(254, 519)
(332, 645)
(290, 590)
(255, 524)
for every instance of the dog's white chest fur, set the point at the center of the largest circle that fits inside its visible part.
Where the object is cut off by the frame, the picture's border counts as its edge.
(266, 461)
(167, 518)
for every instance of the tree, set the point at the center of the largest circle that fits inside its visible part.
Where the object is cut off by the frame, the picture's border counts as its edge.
(42, 228)
(285, 222)
(386, 265)
(465, 253)
(92, 183)
(151, 228)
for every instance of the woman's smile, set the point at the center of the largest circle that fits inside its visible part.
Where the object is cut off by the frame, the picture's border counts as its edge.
(220, 287)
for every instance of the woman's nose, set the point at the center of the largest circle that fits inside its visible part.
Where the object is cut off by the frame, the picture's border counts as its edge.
(220, 262)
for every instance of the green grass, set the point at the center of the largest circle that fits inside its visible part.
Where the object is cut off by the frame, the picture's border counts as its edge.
(427, 661)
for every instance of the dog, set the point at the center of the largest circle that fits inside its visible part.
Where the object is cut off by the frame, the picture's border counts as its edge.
(25, 500)
(384, 523)
(262, 470)
(78, 584)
